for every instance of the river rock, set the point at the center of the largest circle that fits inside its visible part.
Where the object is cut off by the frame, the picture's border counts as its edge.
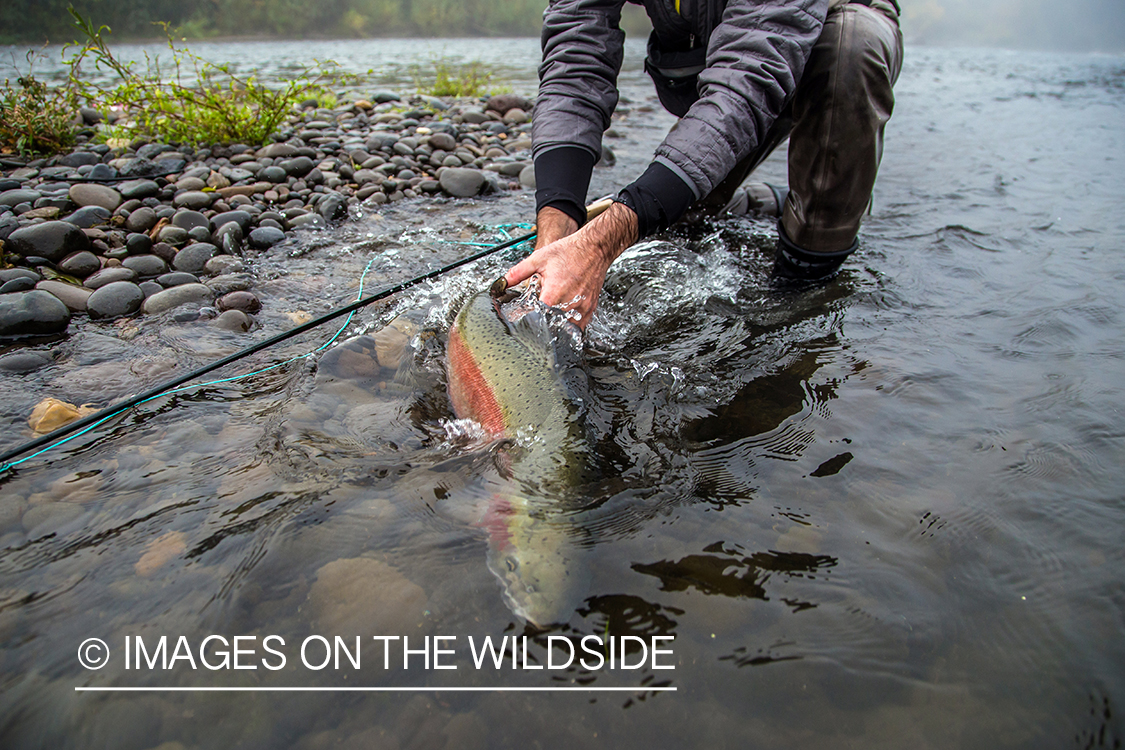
(138, 189)
(92, 194)
(230, 282)
(242, 218)
(278, 150)
(193, 199)
(190, 183)
(173, 235)
(80, 264)
(273, 174)
(527, 176)
(188, 220)
(360, 594)
(515, 116)
(138, 244)
(24, 362)
(88, 217)
(233, 320)
(377, 141)
(53, 240)
(115, 300)
(141, 220)
(176, 278)
(52, 413)
(313, 221)
(240, 300)
(32, 313)
(461, 183)
(443, 141)
(333, 207)
(512, 169)
(19, 284)
(474, 116)
(392, 340)
(200, 234)
(108, 276)
(18, 196)
(229, 237)
(7, 274)
(102, 172)
(49, 213)
(79, 159)
(298, 166)
(503, 103)
(160, 552)
(178, 295)
(146, 266)
(193, 258)
(224, 264)
(74, 297)
(264, 237)
(139, 167)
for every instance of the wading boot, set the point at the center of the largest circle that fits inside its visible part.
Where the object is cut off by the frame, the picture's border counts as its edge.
(794, 263)
(756, 198)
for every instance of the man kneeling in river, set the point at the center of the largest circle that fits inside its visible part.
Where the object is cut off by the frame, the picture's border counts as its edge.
(741, 75)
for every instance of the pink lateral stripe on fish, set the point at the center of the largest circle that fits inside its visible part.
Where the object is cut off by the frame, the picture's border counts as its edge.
(469, 392)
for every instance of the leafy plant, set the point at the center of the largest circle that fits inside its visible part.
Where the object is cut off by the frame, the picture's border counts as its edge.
(456, 79)
(192, 100)
(34, 118)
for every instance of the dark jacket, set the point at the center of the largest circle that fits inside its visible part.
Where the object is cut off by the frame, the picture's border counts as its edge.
(755, 53)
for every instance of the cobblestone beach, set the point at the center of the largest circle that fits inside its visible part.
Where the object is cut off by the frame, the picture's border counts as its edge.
(111, 230)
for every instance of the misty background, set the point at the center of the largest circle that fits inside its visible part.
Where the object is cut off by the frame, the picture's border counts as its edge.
(1077, 25)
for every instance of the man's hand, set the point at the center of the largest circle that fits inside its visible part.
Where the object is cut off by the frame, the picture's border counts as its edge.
(572, 264)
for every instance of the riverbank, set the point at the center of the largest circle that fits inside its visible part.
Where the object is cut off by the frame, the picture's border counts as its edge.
(112, 229)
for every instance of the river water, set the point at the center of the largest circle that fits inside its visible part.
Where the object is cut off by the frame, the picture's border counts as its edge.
(882, 512)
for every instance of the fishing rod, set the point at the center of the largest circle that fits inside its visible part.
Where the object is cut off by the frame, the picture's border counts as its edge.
(92, 419)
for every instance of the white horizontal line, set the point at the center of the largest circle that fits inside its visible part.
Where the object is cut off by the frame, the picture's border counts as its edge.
(374, 689)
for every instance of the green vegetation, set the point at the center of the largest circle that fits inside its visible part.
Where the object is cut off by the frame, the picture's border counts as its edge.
(195, 101)
(189, 101)
(34, 118)
(452, 79)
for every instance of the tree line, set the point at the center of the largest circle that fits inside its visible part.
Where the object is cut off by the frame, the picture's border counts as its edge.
(47, 21)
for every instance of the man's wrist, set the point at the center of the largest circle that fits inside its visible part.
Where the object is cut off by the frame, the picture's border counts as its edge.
(552, 224)
(613, 231)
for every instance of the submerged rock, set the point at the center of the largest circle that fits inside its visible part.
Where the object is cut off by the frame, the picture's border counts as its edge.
(184, 294)
(52, 413)
(361, 595)
(160, 552)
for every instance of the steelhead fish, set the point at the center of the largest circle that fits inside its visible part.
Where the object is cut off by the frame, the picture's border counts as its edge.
(503, 374)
